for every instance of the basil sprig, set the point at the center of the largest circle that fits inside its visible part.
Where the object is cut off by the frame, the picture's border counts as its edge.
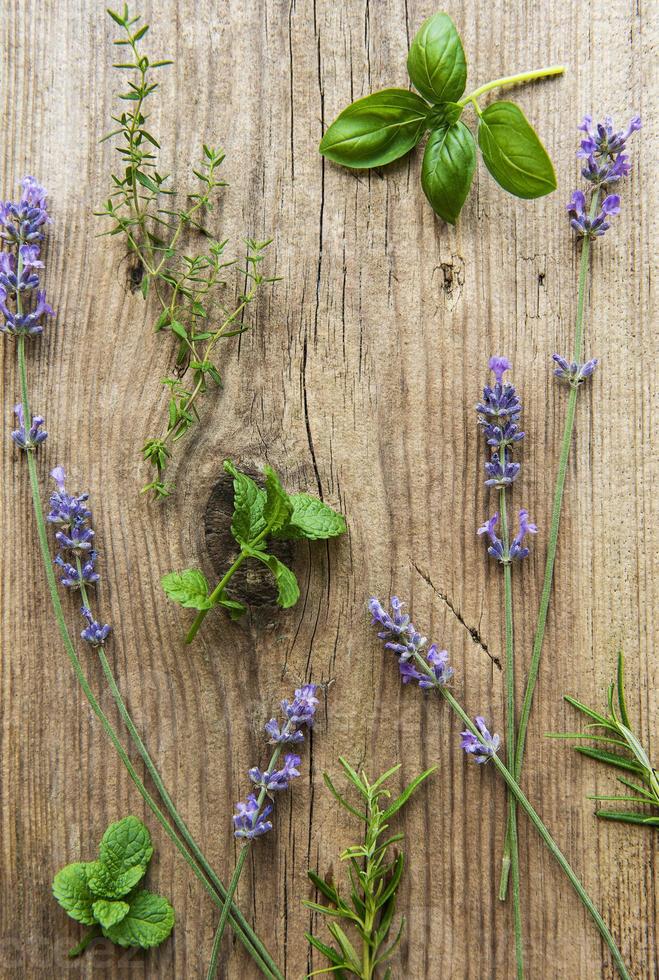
(383, 127)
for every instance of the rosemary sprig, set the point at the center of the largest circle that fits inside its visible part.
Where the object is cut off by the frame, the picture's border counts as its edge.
(374, 876)
(185, 285)
(628, 754)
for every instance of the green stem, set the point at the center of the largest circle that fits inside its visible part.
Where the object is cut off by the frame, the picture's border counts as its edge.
(554, 526)
(235, 878)
(215, 594)
(80, 947)
(233, 884)
(524, 76)
(247, 937)
(513, 859)
(549, 841)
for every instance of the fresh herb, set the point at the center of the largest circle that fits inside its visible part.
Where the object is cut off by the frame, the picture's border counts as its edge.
(23, 307)
(627, 754)
(260, 516)
(185, 284)
(429, 667)
(105, 894)
(604, 165)
(375, 869)
(383, 127)
(251, 819)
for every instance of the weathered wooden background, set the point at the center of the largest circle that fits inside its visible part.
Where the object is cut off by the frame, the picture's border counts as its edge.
(358, 381)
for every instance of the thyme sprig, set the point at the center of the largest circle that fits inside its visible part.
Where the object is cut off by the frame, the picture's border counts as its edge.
(374, 875)
(627, 754)
(185, 285)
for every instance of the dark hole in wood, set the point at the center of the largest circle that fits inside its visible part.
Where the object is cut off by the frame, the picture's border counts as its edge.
(136, 275)
(253, 584)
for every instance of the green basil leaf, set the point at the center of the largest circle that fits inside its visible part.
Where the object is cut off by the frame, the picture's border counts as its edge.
(189, 588)
(377, 129)
(148, 922)
(513, 152)
(311, 519)
(448, 168)
(248, 503)
(445, 114)
(72, 892)
(436, 61)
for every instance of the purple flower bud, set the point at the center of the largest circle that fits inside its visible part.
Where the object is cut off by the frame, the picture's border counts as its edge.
(408, 643)
(480, 748)
(573, 373)
(35, 435)
(94, 633)
(499, 366)
(250, 820)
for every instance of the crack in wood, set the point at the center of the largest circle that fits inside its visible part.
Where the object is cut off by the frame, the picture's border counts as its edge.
(473, 632)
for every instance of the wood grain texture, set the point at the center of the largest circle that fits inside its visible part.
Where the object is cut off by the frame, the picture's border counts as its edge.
(357, 382)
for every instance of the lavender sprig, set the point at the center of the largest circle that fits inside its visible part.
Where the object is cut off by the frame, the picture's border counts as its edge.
(21, 227)
(401, 627)
(606, 164)
(251, 819)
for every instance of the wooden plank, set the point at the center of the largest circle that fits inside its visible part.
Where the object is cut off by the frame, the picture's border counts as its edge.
(358, 382)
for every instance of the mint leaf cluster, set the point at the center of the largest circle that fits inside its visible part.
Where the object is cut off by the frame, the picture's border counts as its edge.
(105, 894)
(383, 127)
(261, 515)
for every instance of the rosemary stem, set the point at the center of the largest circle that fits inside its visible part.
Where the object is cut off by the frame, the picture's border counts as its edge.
(554, 526)
(524, 76)
(249, 939)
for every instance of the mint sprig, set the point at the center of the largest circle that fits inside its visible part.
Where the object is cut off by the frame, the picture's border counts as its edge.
(383, 127)
(260, 514)
(104, 894)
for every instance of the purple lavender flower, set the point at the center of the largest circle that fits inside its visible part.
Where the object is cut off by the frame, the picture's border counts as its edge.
(397, 630)
(72, 578)
(21, 226)
(301, 709)
(500, 409)
(602, 149)
(279, 779)
(35, 435)
(21, 222)
(94, 633)
(517, 549)
(585, 226)
(65, 509)
(250, 819)
(501, 474)
(483, 748)
(496, 547)
(78, 540)
(401, 636)
(573, 373)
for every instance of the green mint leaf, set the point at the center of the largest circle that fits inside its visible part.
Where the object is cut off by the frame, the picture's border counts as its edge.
(109, 913)
(277, 509)
(72, 892)
(233, 607)
(189, 588)
(148, 922)
(248, 503)
(377, 129)
(436, 61)
(448, 168)
(289, 591)
(104, 884)
(125, 845)
(513, 152)
(312, 519)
